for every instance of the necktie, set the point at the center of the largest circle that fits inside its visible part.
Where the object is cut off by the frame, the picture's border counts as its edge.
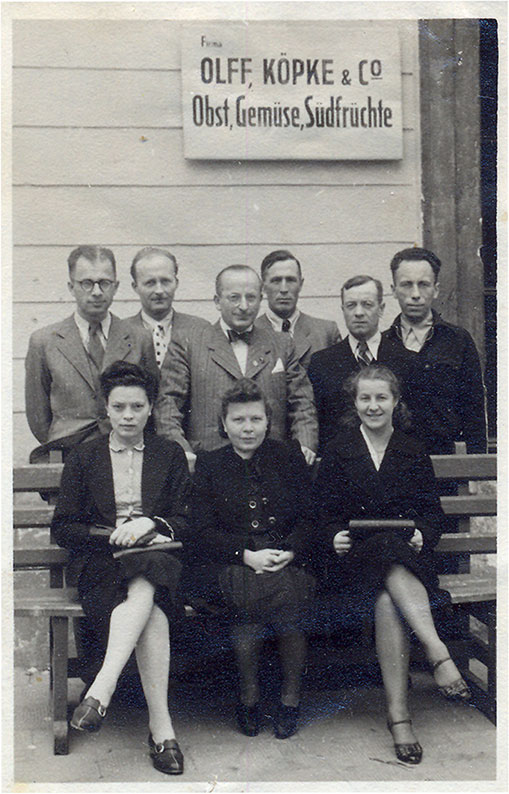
(285, 328)
(364, 357)
(243, 336)
(95, 348)
(159, 344)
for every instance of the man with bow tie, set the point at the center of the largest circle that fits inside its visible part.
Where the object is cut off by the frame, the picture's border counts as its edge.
(201, 366)
(63, 400)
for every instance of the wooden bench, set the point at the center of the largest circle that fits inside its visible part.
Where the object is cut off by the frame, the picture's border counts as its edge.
(473, 595)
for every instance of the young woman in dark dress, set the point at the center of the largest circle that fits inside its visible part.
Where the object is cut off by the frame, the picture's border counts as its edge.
(373, 470)
(137, 485)
(252, 515)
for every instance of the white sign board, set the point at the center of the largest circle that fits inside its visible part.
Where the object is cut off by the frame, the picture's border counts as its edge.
(265, 91)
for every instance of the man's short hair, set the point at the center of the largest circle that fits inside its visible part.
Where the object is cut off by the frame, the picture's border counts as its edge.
(278, 256)
(413, 254)
(151, 250)
(94, 253)
(357, 281)
(233, 269)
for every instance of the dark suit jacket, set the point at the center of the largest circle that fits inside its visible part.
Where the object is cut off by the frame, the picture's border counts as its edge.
(348, 486)
(201, 366)
(60, 394)
(87, 498)
(328, 372)
(182, 323)
(445, 390)
(224, 510)
(310, 334)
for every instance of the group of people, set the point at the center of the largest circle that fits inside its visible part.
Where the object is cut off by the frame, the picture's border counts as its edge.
(204, 436)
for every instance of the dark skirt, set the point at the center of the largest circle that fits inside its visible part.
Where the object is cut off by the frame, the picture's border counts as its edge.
(281, 598)
(355, 580)
(102, 585)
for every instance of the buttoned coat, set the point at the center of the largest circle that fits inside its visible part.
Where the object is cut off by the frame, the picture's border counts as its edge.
(181, 324)
(60, 395)
(444, 385)
(329, 370)
(310, 334)
(227, 513)
(201, 366)
(87, 496)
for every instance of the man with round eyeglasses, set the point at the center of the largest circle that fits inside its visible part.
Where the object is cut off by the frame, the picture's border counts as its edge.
(65, 359)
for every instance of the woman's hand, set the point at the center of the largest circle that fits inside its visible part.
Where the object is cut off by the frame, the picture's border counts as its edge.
(417, 540)
(283, 559)
(342, 542)
(264, 560)
(130, 532)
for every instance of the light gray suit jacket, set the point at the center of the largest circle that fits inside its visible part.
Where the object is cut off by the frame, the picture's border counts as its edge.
(310, 334)
(60, 395)
(200, 367)
(181, 325)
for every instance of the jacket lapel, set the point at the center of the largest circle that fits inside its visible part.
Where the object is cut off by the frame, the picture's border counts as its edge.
(101, 482)
(221, 352)
(119, 342)
(153, 476)
(69, 343)
(302, 336)
(259, 353)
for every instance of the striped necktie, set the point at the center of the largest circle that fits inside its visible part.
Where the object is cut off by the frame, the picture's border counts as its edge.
(364, 357)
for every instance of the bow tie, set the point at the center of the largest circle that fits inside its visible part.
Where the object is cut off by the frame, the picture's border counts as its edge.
(243, 336)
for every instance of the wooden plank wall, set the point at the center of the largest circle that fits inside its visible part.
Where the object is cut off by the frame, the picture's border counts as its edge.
(98, 158)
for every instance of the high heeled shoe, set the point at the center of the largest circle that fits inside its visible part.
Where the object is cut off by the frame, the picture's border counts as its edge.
(285, 723)
(248, 719)
(167, 756)
(457, 690)
(88, 715)
(409, 753)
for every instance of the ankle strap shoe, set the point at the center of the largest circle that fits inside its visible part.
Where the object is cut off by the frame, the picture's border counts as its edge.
(409, 753)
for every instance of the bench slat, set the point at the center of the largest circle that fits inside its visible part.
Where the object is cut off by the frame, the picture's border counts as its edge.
(47, 602)
(466, 542)
(27, 517)
(465, 587)
(37, 477)
(39, 557)
(465, 467)
(469, 505)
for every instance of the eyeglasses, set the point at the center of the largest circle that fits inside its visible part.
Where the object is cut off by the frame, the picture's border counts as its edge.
(87, 285)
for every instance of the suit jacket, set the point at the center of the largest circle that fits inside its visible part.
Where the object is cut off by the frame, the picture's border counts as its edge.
(60, 394)
(201, 366)
(328, 372)
(182, 324)
(348, 486)
(310, 334)
(87, 498)
(228, 509)
(445, 390)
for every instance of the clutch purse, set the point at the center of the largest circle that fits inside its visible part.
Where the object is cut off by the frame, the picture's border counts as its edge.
(142, 544)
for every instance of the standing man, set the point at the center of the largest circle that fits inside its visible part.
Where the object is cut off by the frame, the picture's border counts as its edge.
(362, 304)
(445, 386)
(203, 365)
(154, 273)
(64, 405)
(282, 283)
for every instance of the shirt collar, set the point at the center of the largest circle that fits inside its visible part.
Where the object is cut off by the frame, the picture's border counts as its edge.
(84, 325)
(225, 328)
(421, 330)
(277, 322)
(116, 446)
(373, 343)
(166, 323)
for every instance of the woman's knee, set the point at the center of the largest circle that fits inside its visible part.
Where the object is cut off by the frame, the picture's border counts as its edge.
(139, 587)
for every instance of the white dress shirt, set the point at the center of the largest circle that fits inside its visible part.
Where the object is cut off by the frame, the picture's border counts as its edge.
(84, 329)
(277, 322)
(373, 344)
(414, 336)
(239, 347)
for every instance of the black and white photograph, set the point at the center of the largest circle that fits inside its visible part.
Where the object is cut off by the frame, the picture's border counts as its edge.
(250, 437)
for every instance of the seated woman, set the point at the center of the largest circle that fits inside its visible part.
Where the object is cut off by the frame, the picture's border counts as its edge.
(252, 514)
(374, 471)
(138, 486)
